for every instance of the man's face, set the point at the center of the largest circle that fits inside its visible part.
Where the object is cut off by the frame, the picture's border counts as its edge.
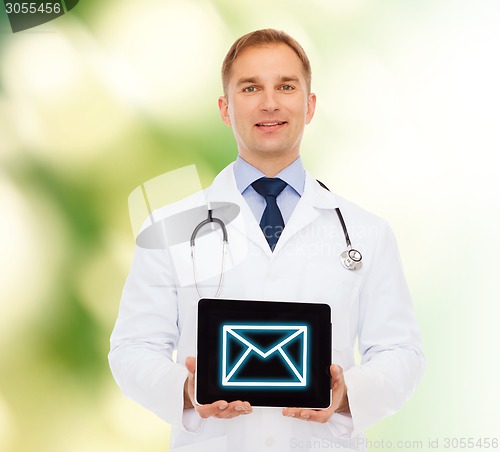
(267, 103)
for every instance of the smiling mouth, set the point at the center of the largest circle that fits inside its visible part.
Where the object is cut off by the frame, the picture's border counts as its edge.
(270, 124)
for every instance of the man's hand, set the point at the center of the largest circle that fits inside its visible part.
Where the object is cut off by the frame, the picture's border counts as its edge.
(220, 409)
(340, 403)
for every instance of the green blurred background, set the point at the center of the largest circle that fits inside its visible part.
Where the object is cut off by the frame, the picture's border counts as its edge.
(117, 92)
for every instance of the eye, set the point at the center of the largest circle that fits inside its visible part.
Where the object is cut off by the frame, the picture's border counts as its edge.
(250, 89)
(287, 88)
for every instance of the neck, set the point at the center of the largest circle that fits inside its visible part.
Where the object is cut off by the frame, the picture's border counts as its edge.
(270, 166)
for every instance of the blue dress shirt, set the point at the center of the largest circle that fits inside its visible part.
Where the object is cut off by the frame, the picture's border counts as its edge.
(294, 175)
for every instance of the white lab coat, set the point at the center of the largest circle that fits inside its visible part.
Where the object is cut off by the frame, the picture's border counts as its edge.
(158, 315)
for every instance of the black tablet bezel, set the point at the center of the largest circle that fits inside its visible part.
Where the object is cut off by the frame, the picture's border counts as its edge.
(214, 313)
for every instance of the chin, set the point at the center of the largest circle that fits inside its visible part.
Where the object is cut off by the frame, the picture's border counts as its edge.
(276, 153)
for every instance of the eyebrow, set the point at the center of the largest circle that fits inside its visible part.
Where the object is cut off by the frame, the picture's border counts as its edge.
(289, 78)
(245, 80)
(283, 78)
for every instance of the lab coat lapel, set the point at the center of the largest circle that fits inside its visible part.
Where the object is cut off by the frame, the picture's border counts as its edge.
(307, 210)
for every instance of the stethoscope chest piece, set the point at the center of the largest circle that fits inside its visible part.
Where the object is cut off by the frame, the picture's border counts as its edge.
(351, 259)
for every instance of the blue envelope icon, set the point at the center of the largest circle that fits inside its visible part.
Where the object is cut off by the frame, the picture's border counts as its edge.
(264, 355)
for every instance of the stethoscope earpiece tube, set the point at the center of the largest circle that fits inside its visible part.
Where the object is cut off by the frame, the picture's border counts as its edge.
(210, 219)
(350, 258)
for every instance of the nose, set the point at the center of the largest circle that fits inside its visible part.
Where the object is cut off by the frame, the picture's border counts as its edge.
(269, 101)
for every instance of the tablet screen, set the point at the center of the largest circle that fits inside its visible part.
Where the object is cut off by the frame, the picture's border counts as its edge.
(269, 353)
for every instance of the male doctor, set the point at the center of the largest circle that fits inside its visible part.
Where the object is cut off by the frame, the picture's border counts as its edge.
(292, 240)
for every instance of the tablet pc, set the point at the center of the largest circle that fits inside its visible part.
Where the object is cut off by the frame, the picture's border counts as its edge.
(269, 353)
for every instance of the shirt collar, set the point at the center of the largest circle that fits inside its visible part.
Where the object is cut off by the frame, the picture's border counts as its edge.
(294, 175)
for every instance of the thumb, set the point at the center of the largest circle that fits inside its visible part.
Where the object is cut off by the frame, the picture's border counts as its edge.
(336, 372)
(191, 364)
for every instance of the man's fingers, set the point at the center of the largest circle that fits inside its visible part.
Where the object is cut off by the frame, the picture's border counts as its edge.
(220, 409)
(191, 364)
(224, 410)
(213, 409)
(336, 372)
(235, 409)
(315, 415)
(320, 416)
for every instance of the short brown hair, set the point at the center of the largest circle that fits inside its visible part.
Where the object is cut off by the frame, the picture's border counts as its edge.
(261, 38)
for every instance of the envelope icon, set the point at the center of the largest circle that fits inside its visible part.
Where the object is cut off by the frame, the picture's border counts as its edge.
(264, 355)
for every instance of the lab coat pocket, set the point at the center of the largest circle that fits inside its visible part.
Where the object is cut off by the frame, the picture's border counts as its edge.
(217, 444)
(344, 306)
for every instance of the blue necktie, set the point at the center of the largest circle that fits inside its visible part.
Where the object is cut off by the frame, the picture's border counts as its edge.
(271, 223)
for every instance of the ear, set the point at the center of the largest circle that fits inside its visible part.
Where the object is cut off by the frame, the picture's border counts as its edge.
(223, 109)
(311, 107)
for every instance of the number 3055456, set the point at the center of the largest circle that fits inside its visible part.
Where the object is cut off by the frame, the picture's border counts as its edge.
(33, 8)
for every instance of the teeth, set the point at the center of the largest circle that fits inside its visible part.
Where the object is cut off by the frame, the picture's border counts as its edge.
(270, 124)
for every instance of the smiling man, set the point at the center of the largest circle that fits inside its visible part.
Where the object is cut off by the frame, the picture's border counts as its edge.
(293, 240)
(267, 103)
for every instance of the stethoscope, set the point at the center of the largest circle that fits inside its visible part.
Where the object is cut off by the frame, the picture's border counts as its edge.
(351, 258)
(208, 220)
